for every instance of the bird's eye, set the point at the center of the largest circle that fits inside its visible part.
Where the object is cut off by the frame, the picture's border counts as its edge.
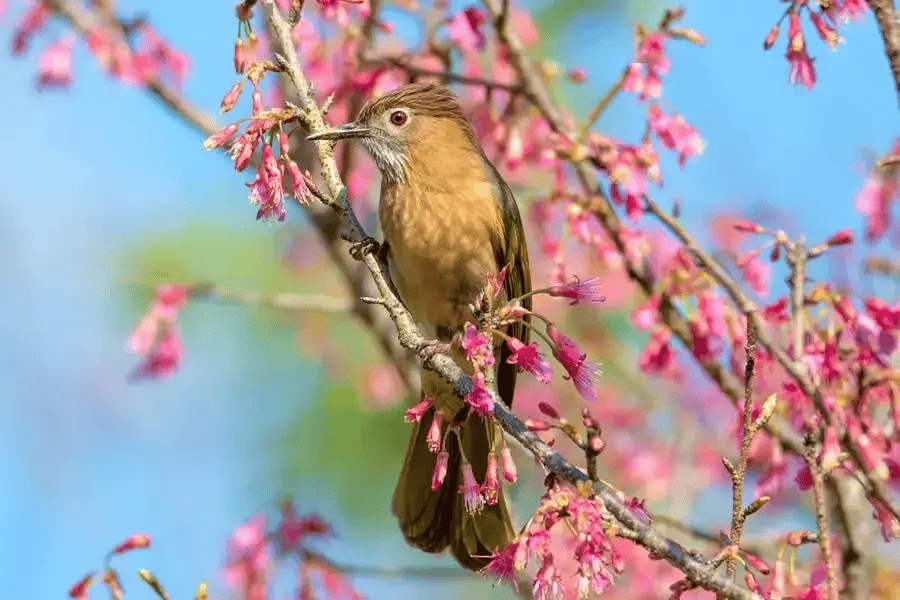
(399, 118)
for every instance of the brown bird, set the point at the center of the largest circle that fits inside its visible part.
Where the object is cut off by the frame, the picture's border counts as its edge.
(449, 220)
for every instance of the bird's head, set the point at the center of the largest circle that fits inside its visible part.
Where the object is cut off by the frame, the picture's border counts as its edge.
(414, 122)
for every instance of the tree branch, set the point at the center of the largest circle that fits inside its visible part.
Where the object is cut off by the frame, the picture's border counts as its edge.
(889, 25)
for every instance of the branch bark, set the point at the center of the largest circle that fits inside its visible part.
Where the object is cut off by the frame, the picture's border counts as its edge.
(889, 25)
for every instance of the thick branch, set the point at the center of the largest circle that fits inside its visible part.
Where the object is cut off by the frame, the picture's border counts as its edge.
(889, 25)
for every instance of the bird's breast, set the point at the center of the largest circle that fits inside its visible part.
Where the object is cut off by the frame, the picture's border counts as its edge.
(440, 235)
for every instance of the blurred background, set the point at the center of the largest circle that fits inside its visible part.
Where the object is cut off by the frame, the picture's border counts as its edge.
(101, 188)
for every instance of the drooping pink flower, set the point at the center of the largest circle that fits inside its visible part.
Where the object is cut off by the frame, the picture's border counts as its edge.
(756, 273)
(479, 397)
(646, 316)
(471, 491)
(802, 70)
(502, 565)
(464, 29)
(416, 413)
(846, 10)
(267, 190)
(248, 557)
(163, 358)
(477, 346)
(529, 359)
(657, 355)
(547, 583)
(435, 436)
(221, 137)
(490, 489)
(336, 584)
(231, 97)
(573, 360)
(440, 470)
(293, 529)
(826, 31)
(509, 466)
(587, 289)
(55, 64)
(79, 591)
(135, 541)
(675, 133)
(874, 201)
(890, 526)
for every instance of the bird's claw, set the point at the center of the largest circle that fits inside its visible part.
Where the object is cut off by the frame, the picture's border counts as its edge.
(429, 349)
(367, 245)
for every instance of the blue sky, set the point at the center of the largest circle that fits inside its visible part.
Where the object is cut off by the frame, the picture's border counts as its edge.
(86, 458)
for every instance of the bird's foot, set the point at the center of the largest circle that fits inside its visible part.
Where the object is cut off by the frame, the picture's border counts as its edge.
(429, 349)
(368, 245)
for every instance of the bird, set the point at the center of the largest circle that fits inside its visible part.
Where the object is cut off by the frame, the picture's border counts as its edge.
(449, 220)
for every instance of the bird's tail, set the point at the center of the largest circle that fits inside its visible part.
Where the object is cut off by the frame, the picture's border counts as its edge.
(433, 520)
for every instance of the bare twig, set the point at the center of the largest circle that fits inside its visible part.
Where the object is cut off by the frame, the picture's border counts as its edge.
(822, 519)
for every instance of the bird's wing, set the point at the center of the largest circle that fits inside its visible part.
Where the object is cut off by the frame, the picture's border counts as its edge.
(511, 252)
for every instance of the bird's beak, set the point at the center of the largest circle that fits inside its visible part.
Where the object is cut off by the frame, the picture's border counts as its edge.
(348, 130)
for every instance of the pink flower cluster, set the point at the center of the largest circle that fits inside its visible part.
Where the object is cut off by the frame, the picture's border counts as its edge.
(565, 526)
(148, 56)
(826, 21)
(253, 553)
(136, 541)
(156, 335)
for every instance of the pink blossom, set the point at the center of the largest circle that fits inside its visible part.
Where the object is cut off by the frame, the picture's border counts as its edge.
(79, 591)
(435, 437)
(529, 359)
(874, 201)
(221, 137)
(772, 479)
(547, 583)
(845, 10)
(293, 529)
(240, 57)
(777, 311)
(771, 37)
(675, 133)
(479, 397)
(826, 32)
(890, 526)
(267, 190)
(135, 541)
(493, 282)
(248, 557)
(577, 75)
(477, 346)
(464, 29)
(646, 316)
(416, 413)
(440, 470)
(509, 466)
(55, 64)
(490, 490)
(163, 56)
(802, 70)
(657, 356)
(163, 358)
(31, 22)
(587, 289)
(644, 76)
(573, 360)
(471, 491)
(503, 566)
(231, 96)
(756, 273)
